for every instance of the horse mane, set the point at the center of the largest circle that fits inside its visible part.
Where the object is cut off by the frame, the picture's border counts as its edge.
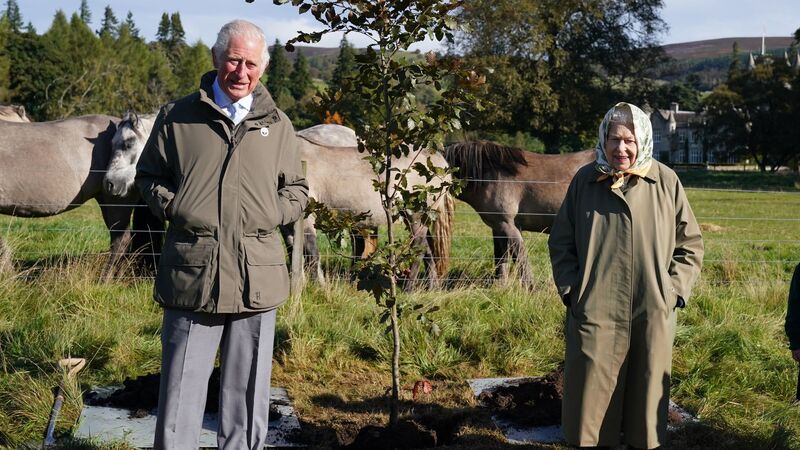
(133, 121)
(481, 160)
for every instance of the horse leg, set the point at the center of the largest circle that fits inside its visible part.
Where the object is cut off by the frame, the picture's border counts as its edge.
(364, 243)
(147, 238)
(500, 238)
(311, 252)
(6, 265)
(117, 218)
(519, 253)
(421, 242)
(287, 233)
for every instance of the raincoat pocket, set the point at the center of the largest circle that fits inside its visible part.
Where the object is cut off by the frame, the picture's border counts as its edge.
(185, 274)
(668, 291)
(266, 283)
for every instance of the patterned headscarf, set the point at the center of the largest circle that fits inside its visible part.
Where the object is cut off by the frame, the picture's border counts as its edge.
(643, 131)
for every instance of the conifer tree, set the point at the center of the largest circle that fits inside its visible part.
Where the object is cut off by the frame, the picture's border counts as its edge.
(5, 63)
(109, 25)
(278, 74)
(162, 35)
(345, 65)
(735, 63)
(130, 26)
(13, 16)
(350, 107)
(300, 82)
(85, 12)
(195, 61)
(177, 37)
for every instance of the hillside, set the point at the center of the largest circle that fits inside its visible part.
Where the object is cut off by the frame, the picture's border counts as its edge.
(708, 59)
(722, 47)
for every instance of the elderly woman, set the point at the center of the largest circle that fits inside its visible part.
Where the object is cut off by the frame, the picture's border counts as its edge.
(626, 250)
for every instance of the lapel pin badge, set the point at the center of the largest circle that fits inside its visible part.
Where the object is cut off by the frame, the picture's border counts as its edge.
(265, 131)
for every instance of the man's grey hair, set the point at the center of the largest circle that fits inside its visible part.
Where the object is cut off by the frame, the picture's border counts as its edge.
(240, 28)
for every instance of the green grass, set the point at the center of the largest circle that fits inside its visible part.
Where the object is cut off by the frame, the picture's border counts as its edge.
(731, 365)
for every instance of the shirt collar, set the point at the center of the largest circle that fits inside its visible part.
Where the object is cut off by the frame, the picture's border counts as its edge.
(222, 100)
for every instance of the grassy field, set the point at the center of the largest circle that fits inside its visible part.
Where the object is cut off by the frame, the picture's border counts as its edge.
(731, 366)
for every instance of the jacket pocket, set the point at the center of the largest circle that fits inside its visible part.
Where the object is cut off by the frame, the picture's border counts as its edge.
(184, 275)
(266, 283)
(668, 291)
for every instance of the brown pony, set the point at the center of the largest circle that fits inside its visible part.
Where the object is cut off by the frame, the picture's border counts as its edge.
(513, 190)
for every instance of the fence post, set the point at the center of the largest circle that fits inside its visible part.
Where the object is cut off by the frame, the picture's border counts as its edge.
(297, 252)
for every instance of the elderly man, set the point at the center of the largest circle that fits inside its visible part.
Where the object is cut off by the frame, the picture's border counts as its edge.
(221, 165)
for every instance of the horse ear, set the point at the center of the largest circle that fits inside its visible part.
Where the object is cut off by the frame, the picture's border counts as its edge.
(21, 110)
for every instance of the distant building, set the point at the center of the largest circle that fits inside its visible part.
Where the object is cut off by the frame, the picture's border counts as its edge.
(678, 137)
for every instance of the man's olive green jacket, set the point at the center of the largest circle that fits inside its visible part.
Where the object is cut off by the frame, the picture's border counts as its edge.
(224, 189)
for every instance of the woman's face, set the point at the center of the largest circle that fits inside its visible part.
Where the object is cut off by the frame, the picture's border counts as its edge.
(621, 147)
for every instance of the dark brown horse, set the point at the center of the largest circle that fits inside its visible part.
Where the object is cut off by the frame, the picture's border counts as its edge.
(513, 190)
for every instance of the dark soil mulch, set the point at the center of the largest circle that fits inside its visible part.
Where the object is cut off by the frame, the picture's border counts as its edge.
(419, 432)
(528, 402)
(140, 395)
(536, 401)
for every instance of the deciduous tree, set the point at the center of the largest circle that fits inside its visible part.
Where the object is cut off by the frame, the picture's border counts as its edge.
(755, 114)
(559, 64)
(403, 127)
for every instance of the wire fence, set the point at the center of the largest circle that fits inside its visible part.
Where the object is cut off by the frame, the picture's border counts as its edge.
(472, 257)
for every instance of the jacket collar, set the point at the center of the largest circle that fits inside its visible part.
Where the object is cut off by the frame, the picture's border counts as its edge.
(263, 110)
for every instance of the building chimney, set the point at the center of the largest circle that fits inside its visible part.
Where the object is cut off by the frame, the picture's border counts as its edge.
(673, 107)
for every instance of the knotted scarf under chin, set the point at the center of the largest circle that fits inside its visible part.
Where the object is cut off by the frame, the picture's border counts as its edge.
(619, 175)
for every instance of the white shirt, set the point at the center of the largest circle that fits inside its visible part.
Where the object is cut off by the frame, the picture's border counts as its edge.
(236, 110)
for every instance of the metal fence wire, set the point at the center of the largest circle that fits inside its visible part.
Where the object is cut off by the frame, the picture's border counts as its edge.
(471, 252)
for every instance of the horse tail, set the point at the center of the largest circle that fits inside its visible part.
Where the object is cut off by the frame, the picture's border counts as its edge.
(442, 233)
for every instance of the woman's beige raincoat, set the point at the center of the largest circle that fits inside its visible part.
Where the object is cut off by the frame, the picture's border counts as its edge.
(621, 258)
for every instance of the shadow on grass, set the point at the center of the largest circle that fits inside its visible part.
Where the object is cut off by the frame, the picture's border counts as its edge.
(701, 435)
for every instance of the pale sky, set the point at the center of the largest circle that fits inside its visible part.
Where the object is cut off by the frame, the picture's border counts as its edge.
(689, 20)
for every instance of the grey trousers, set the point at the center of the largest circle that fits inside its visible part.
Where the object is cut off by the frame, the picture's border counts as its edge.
(189, 343)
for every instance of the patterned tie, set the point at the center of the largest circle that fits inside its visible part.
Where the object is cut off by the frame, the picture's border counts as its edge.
(231, 109)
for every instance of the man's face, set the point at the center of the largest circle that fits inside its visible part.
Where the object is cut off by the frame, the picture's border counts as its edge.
(240, 67)
(621, 147)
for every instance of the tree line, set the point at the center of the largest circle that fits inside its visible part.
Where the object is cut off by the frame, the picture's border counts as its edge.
(81, 67)
(552, 69)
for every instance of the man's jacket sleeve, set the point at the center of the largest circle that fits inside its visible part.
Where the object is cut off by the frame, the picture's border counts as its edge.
(154, 176)
(292, 184)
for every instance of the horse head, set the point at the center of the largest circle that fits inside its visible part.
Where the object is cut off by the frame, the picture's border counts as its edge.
(13, 113)
(126, 147)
